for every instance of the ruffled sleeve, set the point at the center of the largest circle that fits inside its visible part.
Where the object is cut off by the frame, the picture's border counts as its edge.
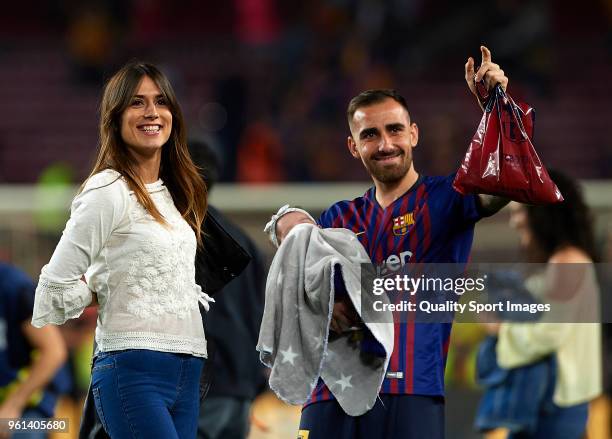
(95, 213)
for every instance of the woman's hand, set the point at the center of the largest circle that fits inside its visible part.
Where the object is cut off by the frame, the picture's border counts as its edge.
(94, 296)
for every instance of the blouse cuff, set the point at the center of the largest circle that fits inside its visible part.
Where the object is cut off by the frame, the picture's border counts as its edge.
(56, 302)
(204, 299)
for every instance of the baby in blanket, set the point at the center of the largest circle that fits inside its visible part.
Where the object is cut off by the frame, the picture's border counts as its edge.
(345, 320)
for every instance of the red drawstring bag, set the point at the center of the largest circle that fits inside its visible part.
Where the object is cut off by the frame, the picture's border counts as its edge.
(501, 159)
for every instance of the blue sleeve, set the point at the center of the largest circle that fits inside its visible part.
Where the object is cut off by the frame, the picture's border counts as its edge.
(326, 220)
(24, 295)
(17, 293)
(463, 206)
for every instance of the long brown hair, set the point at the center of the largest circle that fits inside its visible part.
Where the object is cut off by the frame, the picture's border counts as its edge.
(180, 175)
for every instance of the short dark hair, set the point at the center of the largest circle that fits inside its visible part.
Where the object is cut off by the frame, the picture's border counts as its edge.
(567, 223)
(371, 97)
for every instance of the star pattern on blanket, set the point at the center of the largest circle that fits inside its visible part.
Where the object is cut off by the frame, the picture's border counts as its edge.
(288, 355)
(296, 322)
(344, 381)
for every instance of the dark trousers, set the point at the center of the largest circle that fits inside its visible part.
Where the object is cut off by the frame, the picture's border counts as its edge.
(392, 417)
(224, 418)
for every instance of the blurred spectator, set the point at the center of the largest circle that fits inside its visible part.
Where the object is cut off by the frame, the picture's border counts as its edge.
(54, 183)
(31, 359)
(232, 329)
(91, 40)
(260, 155)
(232, 95)
(542, 376)
(147, 22)
(601, 420)
(294, 65)
(256, 21)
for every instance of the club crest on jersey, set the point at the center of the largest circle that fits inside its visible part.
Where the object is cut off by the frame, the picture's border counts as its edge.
(402, 223)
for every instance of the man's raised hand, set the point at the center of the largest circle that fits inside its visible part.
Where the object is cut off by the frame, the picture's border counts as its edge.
(488, 70)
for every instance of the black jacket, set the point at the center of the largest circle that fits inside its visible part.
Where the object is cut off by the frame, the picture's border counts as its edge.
(232, 325)
(221, 260)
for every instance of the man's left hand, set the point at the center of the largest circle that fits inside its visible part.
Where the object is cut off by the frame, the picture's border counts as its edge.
(488, 70)
(343, 316)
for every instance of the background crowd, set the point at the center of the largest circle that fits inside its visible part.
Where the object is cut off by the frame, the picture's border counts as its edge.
(267, 81)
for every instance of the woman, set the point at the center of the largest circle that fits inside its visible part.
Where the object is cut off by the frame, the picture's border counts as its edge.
(549, 370)
(132, 234)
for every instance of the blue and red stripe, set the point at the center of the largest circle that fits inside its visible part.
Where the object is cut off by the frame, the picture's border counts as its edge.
(420, 348)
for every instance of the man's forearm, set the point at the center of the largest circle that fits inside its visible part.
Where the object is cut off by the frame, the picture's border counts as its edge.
(491, 204)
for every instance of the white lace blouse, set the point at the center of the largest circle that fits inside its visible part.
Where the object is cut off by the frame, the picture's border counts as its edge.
(142, 271)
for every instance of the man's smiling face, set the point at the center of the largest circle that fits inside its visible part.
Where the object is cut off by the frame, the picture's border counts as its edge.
(382, 136)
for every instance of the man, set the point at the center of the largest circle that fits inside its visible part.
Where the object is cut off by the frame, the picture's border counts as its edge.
(29, 357)
(232, 326)
(440, 224)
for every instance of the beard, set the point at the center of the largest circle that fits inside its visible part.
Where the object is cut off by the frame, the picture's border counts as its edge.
(389, 174)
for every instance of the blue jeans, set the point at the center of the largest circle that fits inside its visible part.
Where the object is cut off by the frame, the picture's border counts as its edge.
(147, 394)
(513, 398)
(521, 399)
(558, 422)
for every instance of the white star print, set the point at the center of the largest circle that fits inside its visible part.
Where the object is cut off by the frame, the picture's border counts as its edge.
(288, 355)
(319, 341)
(345, 381)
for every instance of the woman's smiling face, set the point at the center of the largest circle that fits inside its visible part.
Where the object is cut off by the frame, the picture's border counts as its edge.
(146, 124)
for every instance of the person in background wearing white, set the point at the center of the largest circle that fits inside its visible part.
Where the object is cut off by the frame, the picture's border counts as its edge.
(560, 235)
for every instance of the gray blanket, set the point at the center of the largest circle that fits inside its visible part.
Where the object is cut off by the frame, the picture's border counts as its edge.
(293, 338)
